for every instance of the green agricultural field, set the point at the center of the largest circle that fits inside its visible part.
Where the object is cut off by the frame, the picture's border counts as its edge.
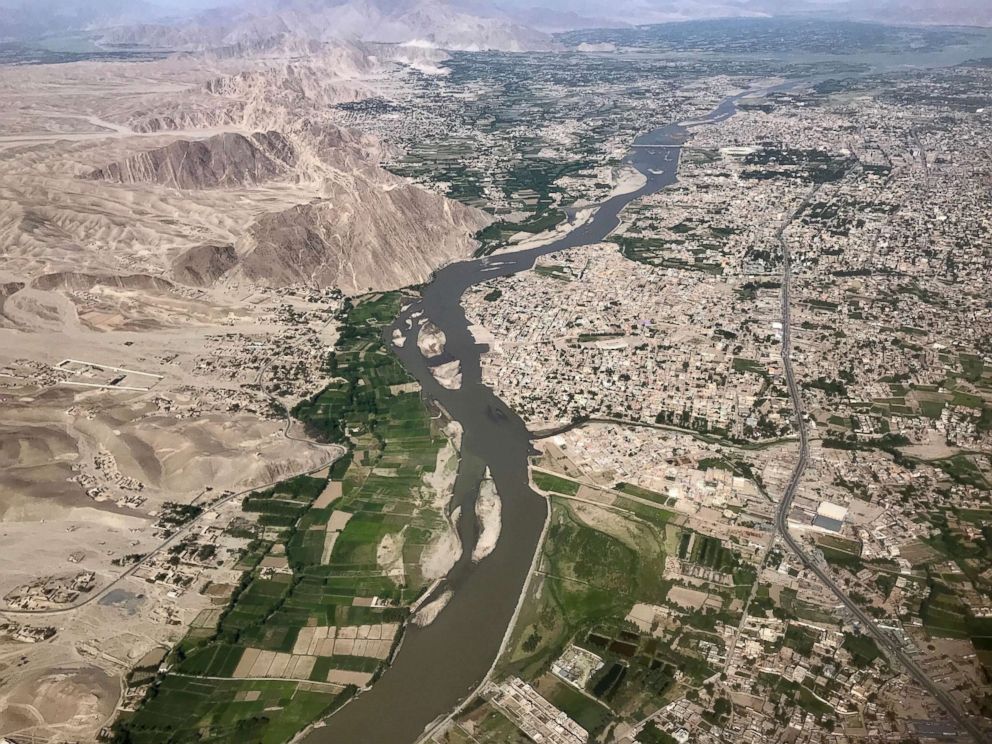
(706, 551)
(973, 366)
(641, 493)
(961, 469)
(583, 709)
(553, 272)
(966, 400)
(555, 483)
(836, 542)
(749, 365)
(944, 614)
(590, 577)
(650, 514)
(841, 558)
(393, 444)
(811, 703)
(186, 709)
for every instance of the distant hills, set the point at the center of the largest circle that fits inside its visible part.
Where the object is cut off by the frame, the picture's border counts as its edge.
(507, 25)
(473, 25)
(442, 23)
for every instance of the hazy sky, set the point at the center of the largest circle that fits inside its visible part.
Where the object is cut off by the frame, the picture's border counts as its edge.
(31, 17)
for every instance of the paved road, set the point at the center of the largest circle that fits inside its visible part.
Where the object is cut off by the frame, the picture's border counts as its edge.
(893, 649)
(174, 538)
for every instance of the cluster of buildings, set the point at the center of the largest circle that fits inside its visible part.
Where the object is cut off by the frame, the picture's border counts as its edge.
(103, 481)
(21, 633)
(881, 195)
(516, 134)
(285, 356)
(538, 719)
(50, 591)
(629, 341)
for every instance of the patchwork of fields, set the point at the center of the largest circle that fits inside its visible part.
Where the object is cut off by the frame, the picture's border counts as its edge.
(597, 563)
(318, 610)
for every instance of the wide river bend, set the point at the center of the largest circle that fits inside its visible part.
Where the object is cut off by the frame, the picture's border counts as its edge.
(437, 666)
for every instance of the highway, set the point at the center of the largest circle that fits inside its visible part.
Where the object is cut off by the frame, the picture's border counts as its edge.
(892, 648)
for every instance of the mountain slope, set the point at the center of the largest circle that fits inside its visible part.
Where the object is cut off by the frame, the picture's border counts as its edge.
(438, 22)
(224, 160)
(358, 239)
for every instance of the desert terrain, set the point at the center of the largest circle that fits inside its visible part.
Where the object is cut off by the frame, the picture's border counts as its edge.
(178, 236)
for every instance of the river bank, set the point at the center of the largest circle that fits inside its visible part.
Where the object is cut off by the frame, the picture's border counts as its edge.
(440, 664)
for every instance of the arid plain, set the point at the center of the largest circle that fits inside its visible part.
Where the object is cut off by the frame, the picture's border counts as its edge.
(152, 213)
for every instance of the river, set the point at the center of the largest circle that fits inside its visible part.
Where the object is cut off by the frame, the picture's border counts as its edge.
(439, 665)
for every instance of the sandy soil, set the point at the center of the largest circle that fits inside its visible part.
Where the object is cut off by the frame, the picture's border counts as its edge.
(488, 514)
(525, 241)
(389, 556)
(175, 399)
(625, 180)
(431, 340)
(628, 181)
(60, 702)
(70, 684)
(443, 553)
(454, 432)
(86, 275)
(429, 612)
(445, 548)
(449, 374)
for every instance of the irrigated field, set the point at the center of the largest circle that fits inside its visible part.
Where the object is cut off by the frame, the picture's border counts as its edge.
(316, 614)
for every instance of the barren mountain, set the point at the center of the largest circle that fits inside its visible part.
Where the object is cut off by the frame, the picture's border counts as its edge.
(360, 239)
(437, 22)
(151, 215)
(202, 265)
(263, 94)
(922, 12)
(228, 159)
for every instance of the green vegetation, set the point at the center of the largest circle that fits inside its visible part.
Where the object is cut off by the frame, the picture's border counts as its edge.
(966, 400)
(812, 704)
(972, 366)
(841, 558)
(781, 689)
(707, 551)
(651, 734)
(961, 469)
(749, 365)
(670, 253)
(592, 578)
(715, 463)
(553, 272)
(393, 443)
(801, 638)
(943, 613)
(641, 493)
(863, 648)
(932, 408)
(489, 726)
(595, 566)
(583, 709)
(555, 484)
(186, 709)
